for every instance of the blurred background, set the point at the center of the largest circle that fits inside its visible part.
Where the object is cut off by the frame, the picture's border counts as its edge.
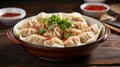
(42, 5)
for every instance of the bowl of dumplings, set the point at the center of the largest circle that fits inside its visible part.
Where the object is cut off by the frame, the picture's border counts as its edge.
(58, 36)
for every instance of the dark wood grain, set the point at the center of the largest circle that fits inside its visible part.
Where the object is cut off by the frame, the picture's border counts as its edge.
(108, 53)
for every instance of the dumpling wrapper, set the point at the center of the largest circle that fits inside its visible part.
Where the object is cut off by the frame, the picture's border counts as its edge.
(34, 39)
(95, 37)
(54, 42)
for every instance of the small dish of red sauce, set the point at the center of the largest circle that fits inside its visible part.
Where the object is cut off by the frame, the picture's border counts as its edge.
(95, 10)
(8, 14)
(95, 7)
(11, 15)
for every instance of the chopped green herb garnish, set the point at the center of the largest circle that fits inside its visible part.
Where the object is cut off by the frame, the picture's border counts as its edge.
(53, 19)
(64, 24)
(67, 35)
(51, 27)
(45, 20)
(38, 20)
(63, 27)
(42, 31)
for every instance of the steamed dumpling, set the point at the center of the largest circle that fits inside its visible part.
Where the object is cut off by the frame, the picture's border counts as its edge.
(80, 25)
(54, 42)
(94, 28)
(27, 31)
(48, 34)
(44, 15)
(72, 32)
(57, 32)
(34, 39)
(75, 16)
(72, 41)
(30, 22)
(75, 32)
(86, 36)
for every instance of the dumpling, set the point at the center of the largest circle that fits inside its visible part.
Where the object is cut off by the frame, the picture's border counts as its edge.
(57, 32)
(75, 16)
(33, 21)
(86, 36)
(80, 25)
(73, 32)
(27, 23)
(34, 39)
(48, 34)
(54, 42)
(94, 28)
(27, 31)
(30, 22)
(72, 41)
(44, 15)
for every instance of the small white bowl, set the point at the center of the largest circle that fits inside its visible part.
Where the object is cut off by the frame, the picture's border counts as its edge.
(11, 20)
(93, 13)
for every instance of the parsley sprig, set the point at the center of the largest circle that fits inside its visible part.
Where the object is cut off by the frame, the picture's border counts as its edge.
(53, 19)
(56, 20)
(41, 31)
(64, 24)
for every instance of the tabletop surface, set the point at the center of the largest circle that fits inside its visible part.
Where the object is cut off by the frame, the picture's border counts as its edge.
(108, 53)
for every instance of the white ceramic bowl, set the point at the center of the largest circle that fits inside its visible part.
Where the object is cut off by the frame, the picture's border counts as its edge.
(12, 20)
(60, 54)
(93, 13)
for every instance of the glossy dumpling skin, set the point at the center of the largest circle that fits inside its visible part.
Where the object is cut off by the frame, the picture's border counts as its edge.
(72, 41)
(30, 22)
(44, 15)
(71, 32)
(57, 32)
(34, 39)
(74, 32)
(27, 31)
(54, 42)
(80, 25)
(74, 16)
(27, 23)
(86, 36)
(93, 28)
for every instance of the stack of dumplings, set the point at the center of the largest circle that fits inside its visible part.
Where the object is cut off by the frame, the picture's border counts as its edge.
(37, 30)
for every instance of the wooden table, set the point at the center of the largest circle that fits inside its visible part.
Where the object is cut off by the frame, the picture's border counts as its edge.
(108, 53)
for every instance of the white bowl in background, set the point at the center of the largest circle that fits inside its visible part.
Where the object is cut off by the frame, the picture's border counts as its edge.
(12, 20)
(93, 13)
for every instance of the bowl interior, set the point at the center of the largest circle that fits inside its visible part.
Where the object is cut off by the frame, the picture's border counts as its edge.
(88, 19)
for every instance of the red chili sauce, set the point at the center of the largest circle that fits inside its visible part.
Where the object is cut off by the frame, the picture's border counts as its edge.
(10, 14)
(95, 7)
